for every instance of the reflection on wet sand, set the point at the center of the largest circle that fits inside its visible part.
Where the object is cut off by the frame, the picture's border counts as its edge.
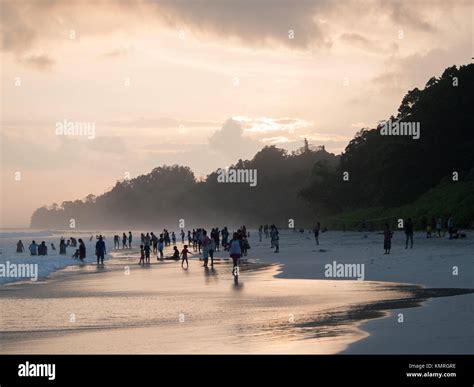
(161, 308)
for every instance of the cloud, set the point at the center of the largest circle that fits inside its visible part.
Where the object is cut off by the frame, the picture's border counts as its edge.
(231, 142)
(39, 62)
(261, 22)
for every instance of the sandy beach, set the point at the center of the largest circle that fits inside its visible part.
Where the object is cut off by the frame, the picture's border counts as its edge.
(282, 304)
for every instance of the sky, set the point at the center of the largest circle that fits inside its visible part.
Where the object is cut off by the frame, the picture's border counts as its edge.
(138, 84)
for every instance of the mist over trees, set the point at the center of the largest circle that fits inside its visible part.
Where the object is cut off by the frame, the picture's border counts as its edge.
(383, 171)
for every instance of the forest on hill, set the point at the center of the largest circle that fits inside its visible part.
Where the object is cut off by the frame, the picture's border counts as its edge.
(375, 171)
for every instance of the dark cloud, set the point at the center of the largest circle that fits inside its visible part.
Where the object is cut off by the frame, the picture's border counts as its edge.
(258, 22)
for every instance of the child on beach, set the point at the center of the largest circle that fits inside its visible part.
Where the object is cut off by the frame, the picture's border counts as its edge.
(147, 250)
(142, 255)
(76, 254)
(184, 255)
(387, 239)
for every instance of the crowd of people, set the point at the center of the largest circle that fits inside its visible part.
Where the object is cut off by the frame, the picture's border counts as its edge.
(207, 244)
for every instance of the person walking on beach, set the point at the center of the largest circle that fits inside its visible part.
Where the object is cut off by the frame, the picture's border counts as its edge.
(409, 233)
(130, 237)
(387, 239)
(184, 256)
(235, 249)
(215, 238)
(124, 240)
(19, 247)
(100, 250)
(316, 232)
(212, 248)
(274, 238)
(82, 250)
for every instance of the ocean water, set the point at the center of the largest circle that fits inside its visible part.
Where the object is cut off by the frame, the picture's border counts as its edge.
(51, 262)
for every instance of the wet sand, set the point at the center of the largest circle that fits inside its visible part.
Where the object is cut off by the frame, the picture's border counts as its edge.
(161, 308)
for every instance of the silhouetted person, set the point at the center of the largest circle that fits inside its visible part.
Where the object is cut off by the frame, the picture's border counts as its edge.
(100, 250)
(82, 250)
(19, 247)
(33, 248)
(387, 239)
(409, 233)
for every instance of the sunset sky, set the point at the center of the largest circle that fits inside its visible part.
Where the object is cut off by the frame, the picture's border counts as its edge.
(201, 83)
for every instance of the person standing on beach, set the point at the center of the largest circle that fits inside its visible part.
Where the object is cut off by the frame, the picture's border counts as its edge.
(182, 236)
(62, 246)
(19, 247)
(225, 238)
(439, 226)
(124, 240)
(82, 250)
(100, 250)
(147, 249)
(184, 256)
(316, 232)
(130, 237)
(409, 233)
(161, 242)
(387, 239)
(450, 226)
(173, 238)
(206, 241)
(142, 255)
(260, 233)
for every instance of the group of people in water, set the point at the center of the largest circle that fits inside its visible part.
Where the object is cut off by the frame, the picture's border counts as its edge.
(42, 248)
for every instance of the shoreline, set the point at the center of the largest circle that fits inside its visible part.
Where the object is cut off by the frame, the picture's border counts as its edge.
(353, 324)
(298, 336)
